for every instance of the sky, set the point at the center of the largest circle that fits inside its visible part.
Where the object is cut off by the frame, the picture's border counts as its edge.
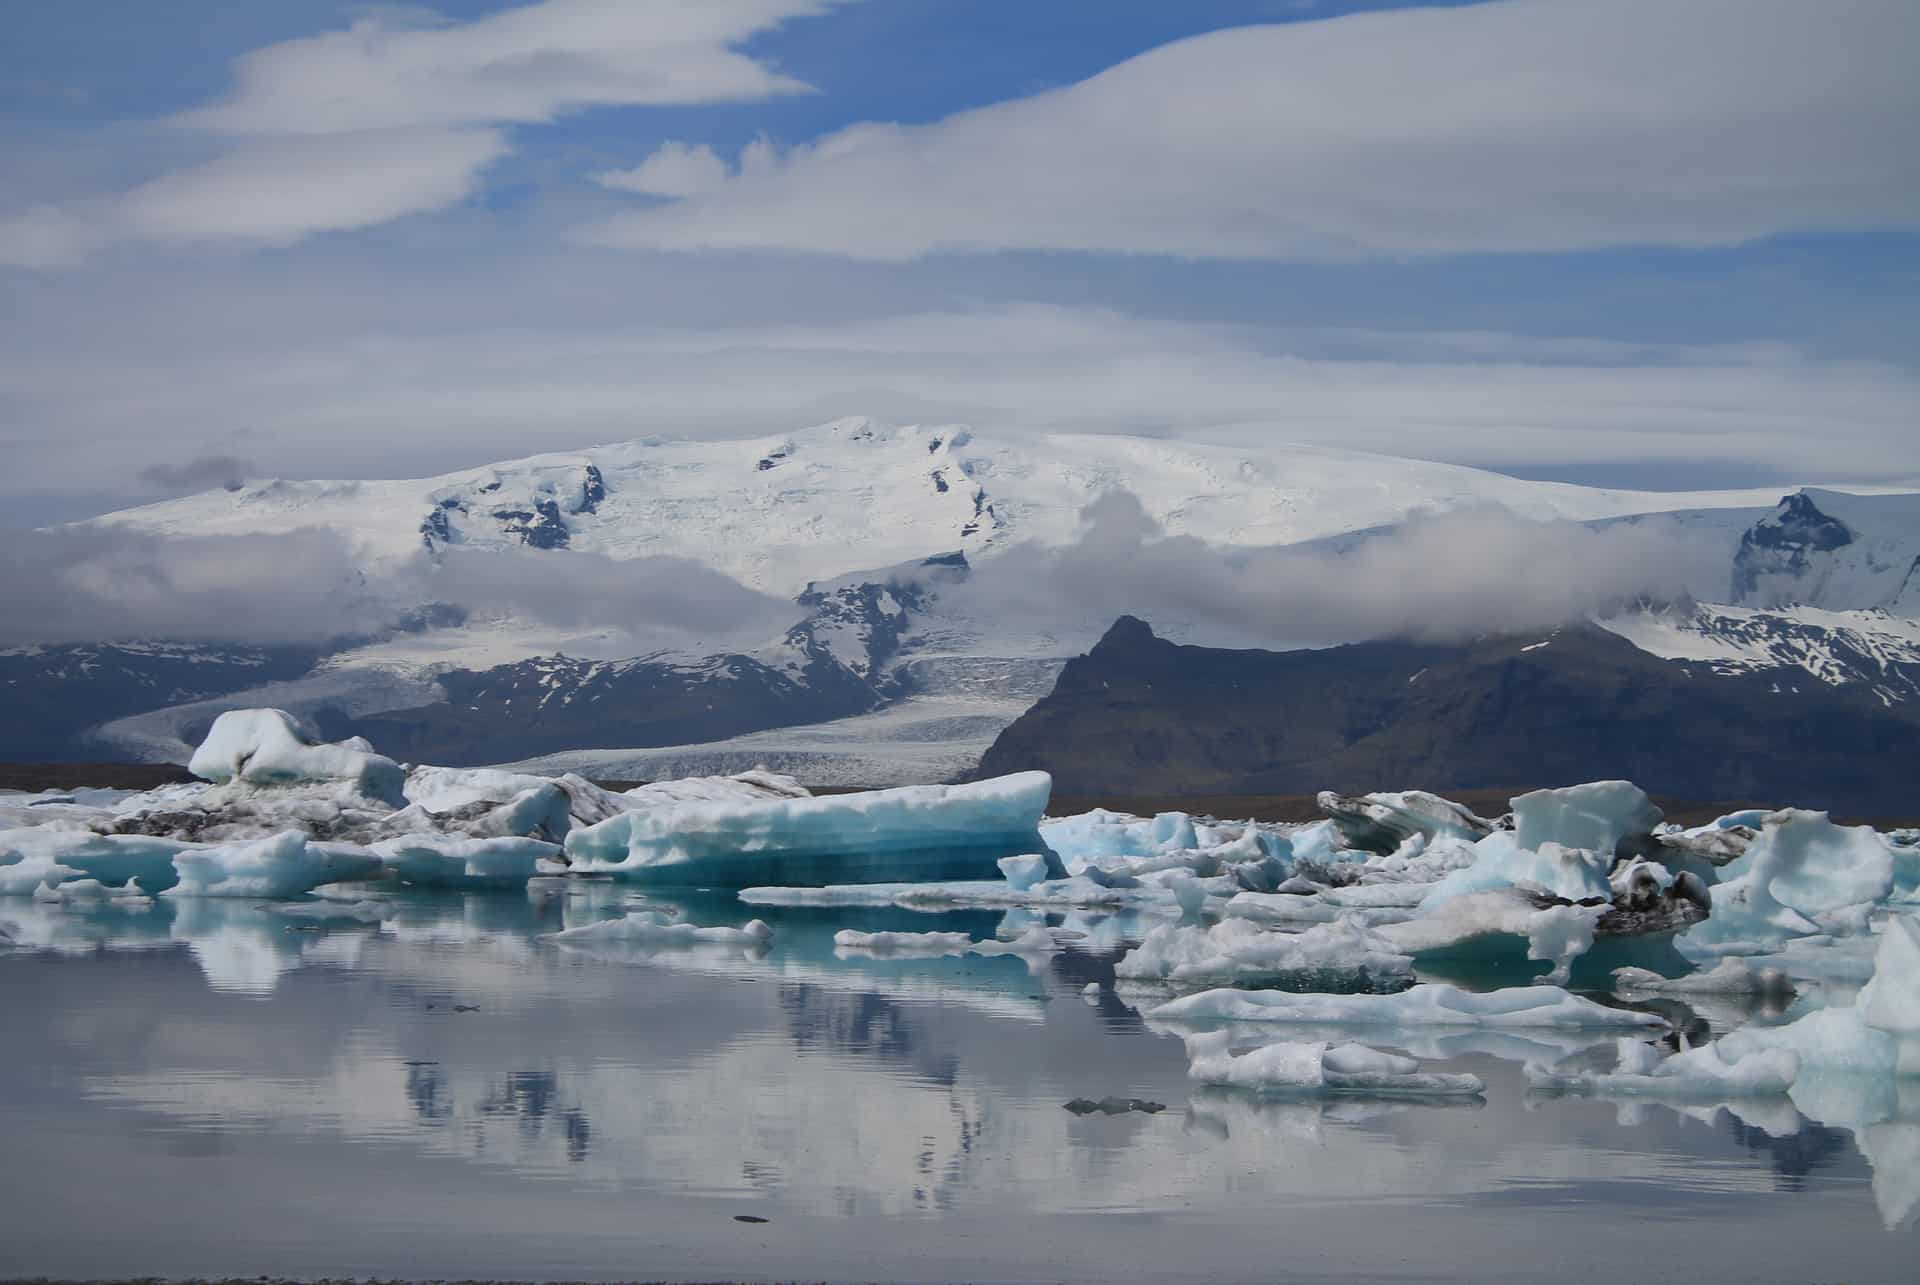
(1657, 243)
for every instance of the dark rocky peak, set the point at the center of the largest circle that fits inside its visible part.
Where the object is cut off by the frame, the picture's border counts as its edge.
(1777, 552)
(593, 489)
(540, 527)
(1127, 634)
(1798, 523)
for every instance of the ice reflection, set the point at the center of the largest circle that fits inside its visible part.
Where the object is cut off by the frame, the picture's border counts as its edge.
(442, 1026)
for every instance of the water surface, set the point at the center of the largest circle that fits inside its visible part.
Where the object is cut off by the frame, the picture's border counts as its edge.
(427, 1089)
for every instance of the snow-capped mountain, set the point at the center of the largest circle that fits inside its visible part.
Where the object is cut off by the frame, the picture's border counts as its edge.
(778, 513)
(808, 515)
(1832, 549)
(1872, 651)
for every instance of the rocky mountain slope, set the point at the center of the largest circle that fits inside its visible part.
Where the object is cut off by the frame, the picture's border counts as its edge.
(1141, 715)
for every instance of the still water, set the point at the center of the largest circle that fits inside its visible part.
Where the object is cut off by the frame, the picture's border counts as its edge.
(427, 1089)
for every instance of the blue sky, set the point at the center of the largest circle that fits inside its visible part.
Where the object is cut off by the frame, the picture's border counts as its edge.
(1614, 241)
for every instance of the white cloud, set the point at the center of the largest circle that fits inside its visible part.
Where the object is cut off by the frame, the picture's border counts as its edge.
(350, 129)
(393, 405)
(278, 190)
(525, 65)
(676, 169)
(1527, 125)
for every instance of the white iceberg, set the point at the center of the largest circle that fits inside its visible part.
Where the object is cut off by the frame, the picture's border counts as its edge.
(901, 943)
(1731, 976)
(284, 865)
(448, 861)
(1479, 923)
(1799, 868)
(1317, 1067)
(1599, 816)
(1429, 1004)
(1712, 1071)
(1340, 955)
(929, 830)
(1501, 860)
(269, 747)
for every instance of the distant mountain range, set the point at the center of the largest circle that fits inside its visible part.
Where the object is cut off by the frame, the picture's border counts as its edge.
(1817, 589)
(1138, 715)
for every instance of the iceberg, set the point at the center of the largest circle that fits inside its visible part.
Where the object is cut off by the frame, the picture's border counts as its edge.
(448, 861)
(1317, 1067)
(1879, 1035)
(270, 747)
(899, 943)
(1380, 823)
(1480, 923)
(1732, 976)
(1342, 956)
(285, 865)
(1501, 860)
(1428, 1004)
(1600, 816)
(1712, 1071)
(929, 831)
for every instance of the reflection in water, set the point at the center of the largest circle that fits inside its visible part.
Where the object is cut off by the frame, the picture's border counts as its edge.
(440, 1029)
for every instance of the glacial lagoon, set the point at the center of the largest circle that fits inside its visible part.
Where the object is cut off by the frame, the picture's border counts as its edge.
(421, 1084)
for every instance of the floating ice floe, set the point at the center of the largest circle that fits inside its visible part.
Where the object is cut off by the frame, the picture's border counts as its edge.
(902, 943)
(282, 866)
(1429, 1004)
(1712, 1071)
(1317, 1067)
(651, 928)
(1338, 956)
(446, 861)
(1879, 1034)
(1479, 923)
(931, 830)
(1600, 816)
(1799, 871)
(1731, 976)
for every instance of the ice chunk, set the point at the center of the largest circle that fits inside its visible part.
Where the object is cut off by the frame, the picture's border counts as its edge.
(1381, 823)
(1879, 1035)
(1813, 865)
(35, 855)
(898, 943)
(449, 861)
(1501, 860)
(1472, 925)
(1891, 1001)
(1598, 816)
(1341, 955)
(1317, 1067)
(269, 747)
(928, 831)
(1091, 836)
(1731, 976)
(284, 865)
(1712, 1071)
(1429, 1004)
(651, 928)
(1022, 872)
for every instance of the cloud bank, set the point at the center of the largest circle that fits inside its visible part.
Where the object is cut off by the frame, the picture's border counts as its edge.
(351, 129)
(1434, 579)
(384, 406)
(105, 583)
(1524, 125)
